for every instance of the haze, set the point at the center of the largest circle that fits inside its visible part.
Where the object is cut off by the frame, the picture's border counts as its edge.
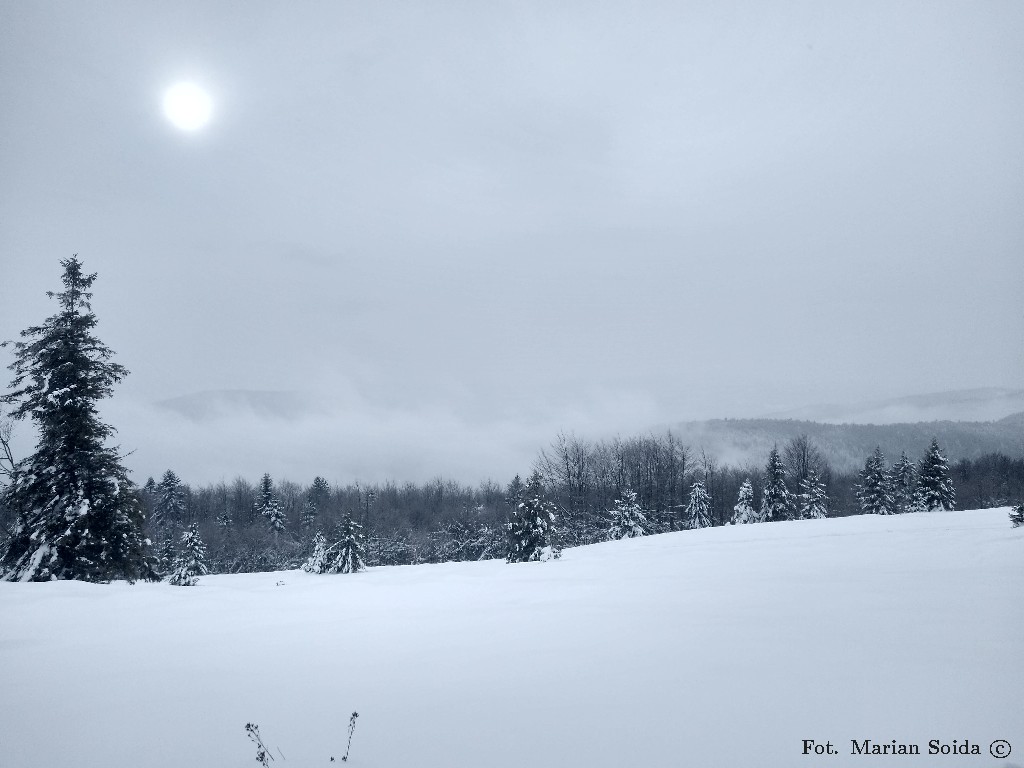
(421, 239)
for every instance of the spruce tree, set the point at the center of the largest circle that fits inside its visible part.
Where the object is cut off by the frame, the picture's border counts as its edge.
(744, 511)
(529, 529)
(776, 500)
(269, 506)
(348, 557)
(514, 493)
(319, 559)
(875, 490)
(317, 496)
(903, 478)
(166, 556)
(628, 519)
(934, 486)
(190, 563)
(812, 503)
(1017, 516)
(170, 503)
(698, 509)
(78, 515)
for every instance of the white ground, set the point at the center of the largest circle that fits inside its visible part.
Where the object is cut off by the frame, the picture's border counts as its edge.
(722, 647)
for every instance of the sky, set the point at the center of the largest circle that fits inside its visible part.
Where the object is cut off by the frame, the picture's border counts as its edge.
(420, 239)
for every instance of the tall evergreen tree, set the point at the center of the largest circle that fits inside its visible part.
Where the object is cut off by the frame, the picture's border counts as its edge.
(744, 511)
(812, 503)
(514, 493)
(628, 519)
(698, 509)
(934, 486)
(79, 515)
(269, 506)
(190, 563)
(875, 489)
(529, 529)
(308, 516)
(348, 557)
(316, 499)
(903, 477)
(166, 556)
(170, 503)
(776, 500)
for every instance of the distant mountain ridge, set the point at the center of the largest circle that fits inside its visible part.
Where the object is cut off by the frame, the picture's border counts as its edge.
(980, 404)
(846, 446)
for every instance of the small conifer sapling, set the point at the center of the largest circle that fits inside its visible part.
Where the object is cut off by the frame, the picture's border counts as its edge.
(744, 511)
(776, 500)
(190, 563)
(530, 526)
(348, 552)
(698, 509)
(628, 519)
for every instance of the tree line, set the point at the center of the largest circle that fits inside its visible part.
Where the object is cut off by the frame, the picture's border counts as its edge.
(70, 510)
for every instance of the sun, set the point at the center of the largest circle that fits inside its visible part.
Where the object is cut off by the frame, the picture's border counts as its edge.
(187, 106)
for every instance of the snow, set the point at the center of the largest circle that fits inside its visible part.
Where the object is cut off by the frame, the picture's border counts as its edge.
(716, 647)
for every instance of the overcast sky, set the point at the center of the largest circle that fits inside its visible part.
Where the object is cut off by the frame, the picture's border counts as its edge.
(443, 232)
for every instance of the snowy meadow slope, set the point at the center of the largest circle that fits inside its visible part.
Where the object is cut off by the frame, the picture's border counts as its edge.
(718, 647)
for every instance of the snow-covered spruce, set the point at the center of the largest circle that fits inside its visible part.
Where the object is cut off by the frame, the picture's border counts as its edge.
(316, 498)
(166, 556)
(170, 503)
(78, 516)
(347, 554)
(875, 489)
(698, 509)
(269, 506)
(529, 529)
(308, 516)
(776, 500)
(743, 512)
(812, 503)
(934, 486)
(318, 561)
(903, 485)
(1017, 516)
(190, 563)
(628, 519)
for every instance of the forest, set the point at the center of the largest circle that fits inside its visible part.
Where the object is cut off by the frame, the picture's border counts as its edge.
(265, 524)
(70, 510)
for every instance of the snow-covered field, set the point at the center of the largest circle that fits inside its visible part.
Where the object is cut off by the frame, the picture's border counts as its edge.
(720, 647)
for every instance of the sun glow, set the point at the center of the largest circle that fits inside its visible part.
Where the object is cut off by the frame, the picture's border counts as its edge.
(187, 106)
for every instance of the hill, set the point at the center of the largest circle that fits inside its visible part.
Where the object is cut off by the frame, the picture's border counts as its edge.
(980, 404)
(719, 647)
(741, 441)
